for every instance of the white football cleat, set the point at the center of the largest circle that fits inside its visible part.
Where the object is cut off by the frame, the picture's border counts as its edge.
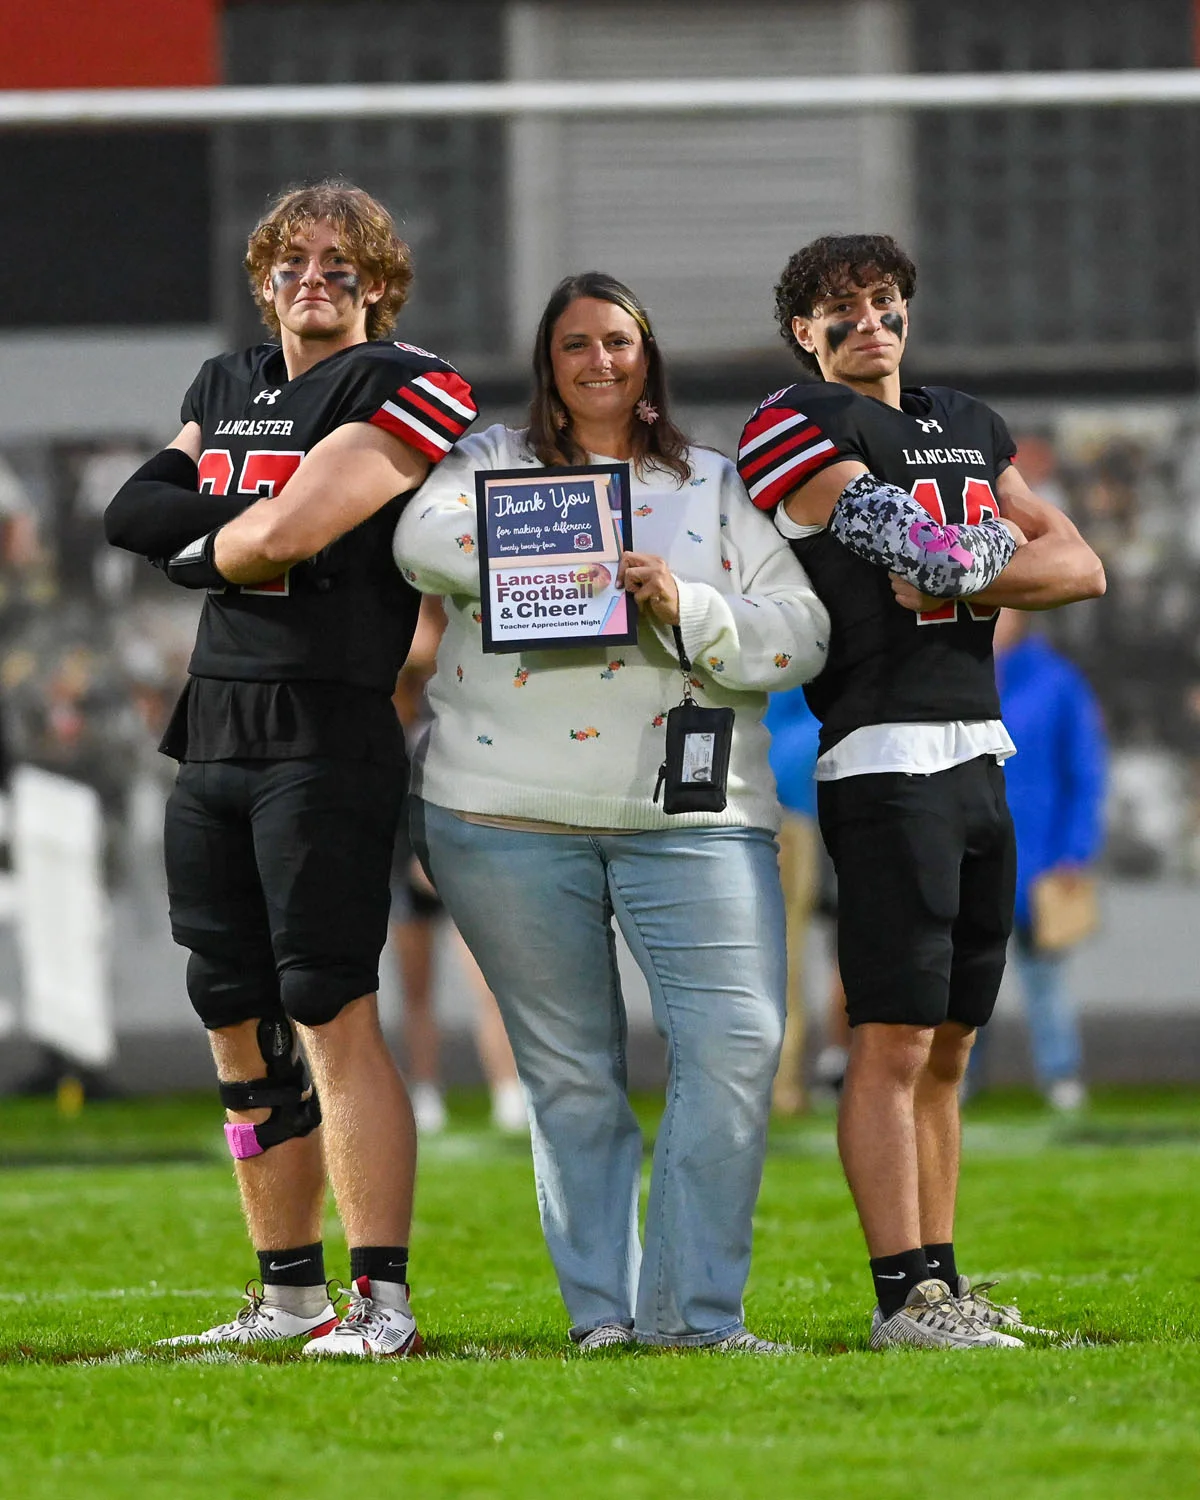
(260, 1322)
(745, 1342)
(370, 1329)
(975, 1304)
(932, 1319)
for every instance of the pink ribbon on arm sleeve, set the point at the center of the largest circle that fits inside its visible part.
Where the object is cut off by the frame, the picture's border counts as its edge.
(934, 538)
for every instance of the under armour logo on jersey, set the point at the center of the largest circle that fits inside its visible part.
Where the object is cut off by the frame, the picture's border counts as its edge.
(927, 424)
(270, 397)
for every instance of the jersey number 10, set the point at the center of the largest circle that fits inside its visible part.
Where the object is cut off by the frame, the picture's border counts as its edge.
(979, 504)
(265, 471)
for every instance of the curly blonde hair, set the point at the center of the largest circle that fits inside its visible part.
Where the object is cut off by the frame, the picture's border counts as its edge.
(367, 236)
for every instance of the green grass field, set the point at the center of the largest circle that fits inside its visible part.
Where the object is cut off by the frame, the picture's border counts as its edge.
(120, 1227)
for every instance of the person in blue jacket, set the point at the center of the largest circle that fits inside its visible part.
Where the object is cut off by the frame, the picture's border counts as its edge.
(1055, 786)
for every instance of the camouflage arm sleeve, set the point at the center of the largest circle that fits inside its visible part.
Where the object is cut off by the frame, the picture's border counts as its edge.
(884, 525)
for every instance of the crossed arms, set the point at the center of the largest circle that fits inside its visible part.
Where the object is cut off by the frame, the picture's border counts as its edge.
(340, 482)
(1032, 558)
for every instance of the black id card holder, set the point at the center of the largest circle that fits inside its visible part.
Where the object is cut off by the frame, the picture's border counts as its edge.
(695, 774)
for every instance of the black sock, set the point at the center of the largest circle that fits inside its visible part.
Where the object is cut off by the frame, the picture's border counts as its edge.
(895, 1276)
(304, 1265)
(379, 1262)
(940, 1260)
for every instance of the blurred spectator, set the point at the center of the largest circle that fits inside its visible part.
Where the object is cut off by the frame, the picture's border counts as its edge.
(416, 915)
(809, 890)
(1128, 477)
(1037, 459)
(416, 911)
(830, 1063)
(69, 704)
(27, 582)
(1055, 788)
(793, 755)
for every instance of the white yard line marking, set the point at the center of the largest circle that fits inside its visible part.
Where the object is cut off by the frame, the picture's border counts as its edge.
(117, 1292)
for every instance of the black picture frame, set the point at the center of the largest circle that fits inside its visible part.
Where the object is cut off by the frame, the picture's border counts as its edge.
(539, 549)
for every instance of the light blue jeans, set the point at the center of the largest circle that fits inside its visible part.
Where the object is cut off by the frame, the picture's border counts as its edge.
(702, 912)
(1050, 1011)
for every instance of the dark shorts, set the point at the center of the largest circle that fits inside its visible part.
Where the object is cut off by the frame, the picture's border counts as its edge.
(926, 869)
(277, 873)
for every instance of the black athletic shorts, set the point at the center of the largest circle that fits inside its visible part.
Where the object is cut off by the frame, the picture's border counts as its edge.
(926, 869)
(277, 873)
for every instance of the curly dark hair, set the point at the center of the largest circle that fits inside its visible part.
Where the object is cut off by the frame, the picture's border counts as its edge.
(368, 236)
(660, 444)
(829, 265)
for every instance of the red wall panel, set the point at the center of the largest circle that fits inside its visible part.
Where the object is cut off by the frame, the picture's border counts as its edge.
(62, 44)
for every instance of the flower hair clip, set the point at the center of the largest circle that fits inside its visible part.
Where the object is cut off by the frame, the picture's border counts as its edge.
(646, 412)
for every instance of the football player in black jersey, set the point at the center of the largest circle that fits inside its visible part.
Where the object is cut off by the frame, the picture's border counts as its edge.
(914, 525)
(279, 497)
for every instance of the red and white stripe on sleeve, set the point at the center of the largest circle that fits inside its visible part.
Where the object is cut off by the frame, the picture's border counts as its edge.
(430, 412)
(779, 450)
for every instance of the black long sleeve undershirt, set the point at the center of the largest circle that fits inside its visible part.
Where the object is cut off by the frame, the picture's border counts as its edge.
(158, 509)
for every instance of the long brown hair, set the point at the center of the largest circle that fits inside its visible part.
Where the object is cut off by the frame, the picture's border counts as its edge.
(658, 444)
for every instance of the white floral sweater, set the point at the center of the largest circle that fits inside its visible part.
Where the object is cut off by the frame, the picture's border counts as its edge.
(577, 736)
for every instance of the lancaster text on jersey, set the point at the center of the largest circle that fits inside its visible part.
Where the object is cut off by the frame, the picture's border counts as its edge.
(923, 458)
(254, 427)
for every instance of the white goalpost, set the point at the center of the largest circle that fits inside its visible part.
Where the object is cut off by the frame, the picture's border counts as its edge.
(855, 93)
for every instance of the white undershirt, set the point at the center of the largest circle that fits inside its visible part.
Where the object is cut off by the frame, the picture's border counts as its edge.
(914, 749)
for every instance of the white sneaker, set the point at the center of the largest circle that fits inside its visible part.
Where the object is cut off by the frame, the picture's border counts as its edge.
(259, 1322)
(509, 1114)
(932, 1319)
(1067, 1095)
(429, 1108)
(370, 1328)
(975, 1304)
(607, 1336)
(745, 1342)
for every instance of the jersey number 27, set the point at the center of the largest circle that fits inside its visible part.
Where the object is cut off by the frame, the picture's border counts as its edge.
(265, 471)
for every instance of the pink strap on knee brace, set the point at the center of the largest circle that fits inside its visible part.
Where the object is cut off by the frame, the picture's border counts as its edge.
(242, 1141)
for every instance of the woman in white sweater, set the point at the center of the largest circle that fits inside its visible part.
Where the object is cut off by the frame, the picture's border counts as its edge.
(535, 809)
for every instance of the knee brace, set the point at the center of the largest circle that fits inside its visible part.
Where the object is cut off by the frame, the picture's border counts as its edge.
(285, 1091)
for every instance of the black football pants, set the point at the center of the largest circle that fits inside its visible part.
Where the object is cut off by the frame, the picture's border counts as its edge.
(926, 870)
(277, 873)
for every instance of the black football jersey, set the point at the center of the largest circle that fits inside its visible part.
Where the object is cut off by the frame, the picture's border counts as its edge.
(345, 616)
(886, 665)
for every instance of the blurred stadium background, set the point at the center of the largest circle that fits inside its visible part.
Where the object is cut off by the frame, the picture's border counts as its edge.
(1057, 249)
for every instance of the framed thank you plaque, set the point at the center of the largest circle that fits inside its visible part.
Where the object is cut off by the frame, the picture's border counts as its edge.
(549, 544)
